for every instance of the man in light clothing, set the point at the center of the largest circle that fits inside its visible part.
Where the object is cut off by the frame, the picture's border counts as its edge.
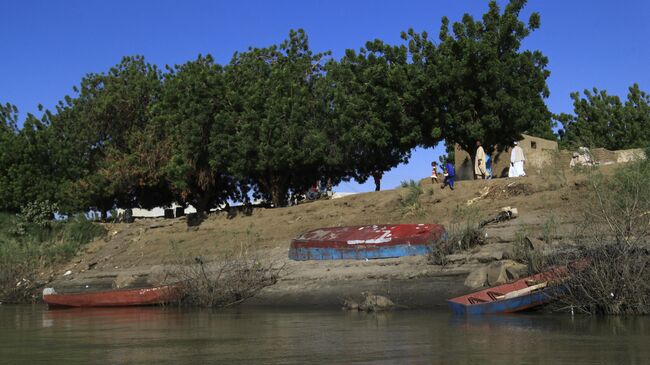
(479, 162)
(516, 162)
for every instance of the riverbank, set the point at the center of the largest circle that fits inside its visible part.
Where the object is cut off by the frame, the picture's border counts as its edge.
(149, 251)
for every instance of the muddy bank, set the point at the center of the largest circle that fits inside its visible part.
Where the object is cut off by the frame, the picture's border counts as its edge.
(143, 253)
(410, 282)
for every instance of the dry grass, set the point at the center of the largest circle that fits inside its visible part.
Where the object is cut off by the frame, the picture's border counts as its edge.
(617, 277)
(464, 233)
(227, 281)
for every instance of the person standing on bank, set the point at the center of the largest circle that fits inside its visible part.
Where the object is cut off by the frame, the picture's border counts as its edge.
(479, 162)
(434, 172)
(450, 175)
(516, 162)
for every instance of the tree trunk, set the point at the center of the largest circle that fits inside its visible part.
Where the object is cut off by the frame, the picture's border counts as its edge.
(377, 176)
(278, 195)
(275, 186)
(202, 204)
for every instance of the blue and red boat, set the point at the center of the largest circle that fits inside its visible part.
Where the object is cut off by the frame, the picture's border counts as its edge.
(523, 294)
(366, 242)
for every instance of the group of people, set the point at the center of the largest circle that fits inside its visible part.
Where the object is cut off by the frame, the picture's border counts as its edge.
(448, 171)
(482, 166)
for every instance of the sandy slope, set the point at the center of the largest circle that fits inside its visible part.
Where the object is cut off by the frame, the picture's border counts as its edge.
(149, 246)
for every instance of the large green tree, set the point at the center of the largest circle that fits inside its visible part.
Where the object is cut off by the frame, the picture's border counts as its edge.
(101, 127)
(477, 83)
(370, 91)
(8, 149)
(28, 168)
(603, 120)
(278, 108)
(201, 141)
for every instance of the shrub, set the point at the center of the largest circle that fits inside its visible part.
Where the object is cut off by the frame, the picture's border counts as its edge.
(40, 213)
(411, 199)
(464, 233)
(23, 256)
(615, 280)
(616, 277)
(227, 281)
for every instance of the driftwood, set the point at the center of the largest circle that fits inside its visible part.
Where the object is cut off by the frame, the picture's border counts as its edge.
(521, 292)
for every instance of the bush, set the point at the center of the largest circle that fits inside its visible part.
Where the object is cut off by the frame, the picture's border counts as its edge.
(411, 200)
(615, 280)
(40, 213)
(225, 282)
(616, 277)
(23, 257)
(619, 206)
(464, 233)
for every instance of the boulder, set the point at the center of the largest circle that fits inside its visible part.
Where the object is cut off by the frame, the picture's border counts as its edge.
(485, 256)
(477, 278)
(350, 304)
(535, 244)
(375, 303)
(124, 280)
(516, 271)
(497, 272)
(160, 275)
(491, 252)
(457, 257)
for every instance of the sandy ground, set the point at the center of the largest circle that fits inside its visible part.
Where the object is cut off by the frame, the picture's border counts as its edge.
(144, 249)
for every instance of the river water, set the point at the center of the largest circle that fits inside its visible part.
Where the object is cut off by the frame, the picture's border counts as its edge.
(34, 335)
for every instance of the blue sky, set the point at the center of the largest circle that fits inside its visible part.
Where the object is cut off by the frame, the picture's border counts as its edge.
(47, 46)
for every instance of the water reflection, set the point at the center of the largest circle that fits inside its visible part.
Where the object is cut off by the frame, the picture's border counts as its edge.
(31, 334)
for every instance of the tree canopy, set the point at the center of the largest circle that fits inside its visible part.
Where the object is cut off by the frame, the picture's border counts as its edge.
(478, 84)
(198, 140)
(275, 101)
(275, 119)
(603, 120)
(370, 90)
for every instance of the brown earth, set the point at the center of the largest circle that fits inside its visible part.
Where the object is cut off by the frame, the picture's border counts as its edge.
(143, 252)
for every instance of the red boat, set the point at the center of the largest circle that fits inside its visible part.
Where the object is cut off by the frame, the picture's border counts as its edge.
(114, 298)
(526, 293)
(366, 242)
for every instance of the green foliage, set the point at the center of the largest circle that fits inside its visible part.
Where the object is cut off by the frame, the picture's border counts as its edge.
(484, 87)
(464, 230)
(276, 119)
(28, 167)
(602, 120)
(449, 156)
(100, 132)
(411, 199)
(22, 257)
(370, 92)
(620, 204)
(200, 138)
(275, 99)
(464, 233)
(8, 119)
(39, 213)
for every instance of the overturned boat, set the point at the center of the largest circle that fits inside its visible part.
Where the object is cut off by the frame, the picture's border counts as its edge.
(114, 298)
(366, 242)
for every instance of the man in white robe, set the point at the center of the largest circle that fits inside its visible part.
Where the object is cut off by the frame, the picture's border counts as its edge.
(516, 162)
(480, 171)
